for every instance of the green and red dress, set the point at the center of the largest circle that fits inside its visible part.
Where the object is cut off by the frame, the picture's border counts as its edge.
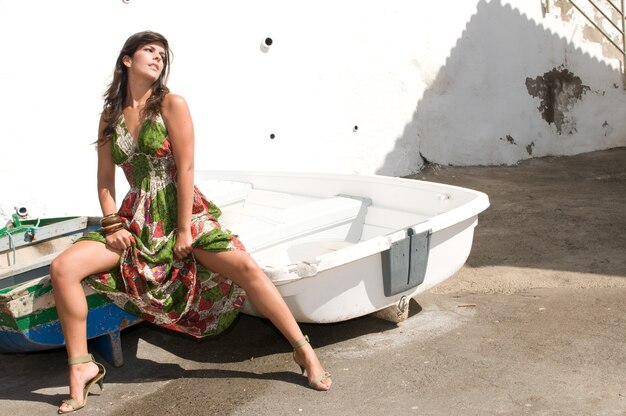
(177, 294)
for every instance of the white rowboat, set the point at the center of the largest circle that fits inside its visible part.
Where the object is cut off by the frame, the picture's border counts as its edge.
(343, 246)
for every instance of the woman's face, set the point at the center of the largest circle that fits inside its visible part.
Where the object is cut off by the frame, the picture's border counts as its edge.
(147, 61)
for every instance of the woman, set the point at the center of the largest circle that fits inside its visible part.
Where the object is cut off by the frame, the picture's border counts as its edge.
(163, 255)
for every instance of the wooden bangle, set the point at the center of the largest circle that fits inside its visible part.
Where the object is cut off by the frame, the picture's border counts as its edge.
(111, 220)
(106, 217)
(114, 225)
(112, 228)
(112, 231)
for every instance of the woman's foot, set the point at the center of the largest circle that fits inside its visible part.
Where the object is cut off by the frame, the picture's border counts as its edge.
(306, 358)
(80, 375)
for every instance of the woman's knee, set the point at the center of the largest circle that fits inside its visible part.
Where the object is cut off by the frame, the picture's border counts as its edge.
(61, 269)
(57, 268)
(246, 271)
(246, 266)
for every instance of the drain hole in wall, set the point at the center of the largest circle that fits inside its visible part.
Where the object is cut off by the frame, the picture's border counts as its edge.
(272, 136)
(355, 128)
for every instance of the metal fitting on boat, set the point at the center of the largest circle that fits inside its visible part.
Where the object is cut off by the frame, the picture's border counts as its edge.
(395, 313)
(22, 212)
(403, 305)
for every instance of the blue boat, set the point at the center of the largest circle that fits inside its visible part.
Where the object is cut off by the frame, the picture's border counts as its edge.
(28, 316)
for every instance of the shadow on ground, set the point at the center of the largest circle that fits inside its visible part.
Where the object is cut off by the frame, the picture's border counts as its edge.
(248, 338)
(556, 213)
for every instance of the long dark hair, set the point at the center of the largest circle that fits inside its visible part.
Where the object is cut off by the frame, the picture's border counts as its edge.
(115, 95)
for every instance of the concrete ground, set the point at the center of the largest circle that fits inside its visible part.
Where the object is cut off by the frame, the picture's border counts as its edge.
(533, 324)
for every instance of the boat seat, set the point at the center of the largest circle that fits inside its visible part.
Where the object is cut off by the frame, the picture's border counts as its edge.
(262, 226)
(224, 193)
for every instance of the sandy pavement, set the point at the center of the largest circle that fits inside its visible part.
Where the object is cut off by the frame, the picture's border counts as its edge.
(533, 324)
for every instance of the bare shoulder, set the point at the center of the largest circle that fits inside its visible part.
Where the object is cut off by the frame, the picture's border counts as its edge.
(173, 105)
(176, 117)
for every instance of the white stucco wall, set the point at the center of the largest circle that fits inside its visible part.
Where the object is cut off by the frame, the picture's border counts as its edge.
(448, 81)
(479, 109)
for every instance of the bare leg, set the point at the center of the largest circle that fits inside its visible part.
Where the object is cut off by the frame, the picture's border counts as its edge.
(239, 267)
(67, 271)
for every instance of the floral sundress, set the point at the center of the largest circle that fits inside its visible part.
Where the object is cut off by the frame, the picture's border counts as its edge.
(150, 283)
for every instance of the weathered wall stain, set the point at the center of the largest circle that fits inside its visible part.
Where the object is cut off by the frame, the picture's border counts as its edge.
(566, 9)
(593, 35)
(509, 139)
(558, 90)
(590, 33)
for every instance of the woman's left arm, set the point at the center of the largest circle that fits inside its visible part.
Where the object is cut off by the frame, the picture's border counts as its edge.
(181, 135)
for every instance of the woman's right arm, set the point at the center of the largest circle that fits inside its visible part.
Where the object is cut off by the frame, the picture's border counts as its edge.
(119, 240)
(106, 175)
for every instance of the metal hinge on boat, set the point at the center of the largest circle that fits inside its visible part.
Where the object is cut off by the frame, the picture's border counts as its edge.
(404, 264)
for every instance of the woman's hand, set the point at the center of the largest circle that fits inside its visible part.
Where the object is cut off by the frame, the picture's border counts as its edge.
(120, 240)
(182, 247)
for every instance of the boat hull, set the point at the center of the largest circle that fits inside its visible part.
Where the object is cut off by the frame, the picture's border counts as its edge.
(356, 288)
(29, 320)
(336, 246)
(28, 316)
(329, 275)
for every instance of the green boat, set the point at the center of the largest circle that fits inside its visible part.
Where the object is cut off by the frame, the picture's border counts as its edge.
(28, 316)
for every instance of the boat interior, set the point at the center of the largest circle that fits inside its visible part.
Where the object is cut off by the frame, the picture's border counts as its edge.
(281, 228)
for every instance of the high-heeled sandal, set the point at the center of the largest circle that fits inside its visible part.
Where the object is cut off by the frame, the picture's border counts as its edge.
(315, 382)
(99, 379)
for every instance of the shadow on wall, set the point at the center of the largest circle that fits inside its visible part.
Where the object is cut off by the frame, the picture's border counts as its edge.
(506, 94)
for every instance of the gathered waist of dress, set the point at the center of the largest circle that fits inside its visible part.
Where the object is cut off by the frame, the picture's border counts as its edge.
(151, 185)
